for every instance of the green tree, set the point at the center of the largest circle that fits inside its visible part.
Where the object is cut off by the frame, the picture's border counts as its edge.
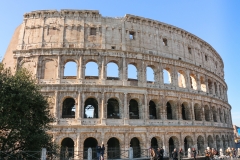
(24, 113)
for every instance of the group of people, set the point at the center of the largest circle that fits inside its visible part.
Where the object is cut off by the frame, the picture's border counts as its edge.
(100, 152)
(156, 155)
(231, 152)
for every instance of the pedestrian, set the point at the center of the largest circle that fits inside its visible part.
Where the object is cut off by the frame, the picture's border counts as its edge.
(161, 153)
(158, 154)
(194, 153)
(175, 154)
(102, 152)
(98, 150)
(180, 154)
(152, 154)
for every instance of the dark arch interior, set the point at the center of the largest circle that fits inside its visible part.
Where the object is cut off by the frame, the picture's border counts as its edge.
(90, 143)
(171, 145)
(152, 110)
(133, 109)
(113, 109)
(113, 148)
(91, 105)
(169, 111)
(67, 148)
(210, 142)
(68, 110)
(136, 147)
(200, 144)
(154, 143)
(183, 112)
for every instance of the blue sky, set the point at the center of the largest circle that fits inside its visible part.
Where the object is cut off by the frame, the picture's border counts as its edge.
(216, 21)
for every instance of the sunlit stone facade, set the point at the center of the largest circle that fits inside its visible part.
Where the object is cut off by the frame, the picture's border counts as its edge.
(189, 110)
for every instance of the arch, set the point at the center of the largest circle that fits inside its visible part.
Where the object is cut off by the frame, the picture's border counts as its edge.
(112, 71)
(91, 70)
(203, 84)
(207, 113)
(214, 111)
(186, 114)
(154, 143)
(113, 150)
(181, 79)
(135, 144)
(197, 112)
(193, 82)
(224, 143)
(67, 148)
(171, 110)
(50, 69)
(70, 70)
(216, 89)
(89, 143)
(150, 74)
(133, 109)
(188, 143)
(68, 108)
(218, 142)
(132, 72)
(167, 76)
(173, 143)
(210, 86)
(113, 108)
(210, 141)
(200, 144)
(152, 110)
(91, 108)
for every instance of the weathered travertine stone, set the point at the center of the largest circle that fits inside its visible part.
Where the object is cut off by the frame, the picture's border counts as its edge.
(191, 111)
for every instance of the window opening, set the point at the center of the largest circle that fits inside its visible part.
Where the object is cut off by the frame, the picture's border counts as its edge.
(131, 35)
(206, 58)
(113, 47)
(112, 71)
(169, 111)
(113, 109)
(89, 143)
(67, 147)
(165, 42)
(181, 80)
(154, 143)
(91, 108)
(166, 76)
(133, 109)
(93, 31)
(189, 50)
(150, 75)
(203, 85)
(113, 148)
(91, 70)
(68, 110)
(193, 82)
(152, 110)
(135, 144)
(132, 72)
(70, 70)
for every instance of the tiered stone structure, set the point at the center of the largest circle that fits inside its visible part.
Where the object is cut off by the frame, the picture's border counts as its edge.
(190, 111)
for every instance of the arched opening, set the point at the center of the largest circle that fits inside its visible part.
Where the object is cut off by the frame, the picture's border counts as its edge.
(152, 110)
(113, 151)
(186, 115)
(68, 109)
(218, 142)
(91, 70)
(210, 86)
(90, 143)
(135, 144)
(173, 143)
(154, 143)
(112, 71)
(150, 75)
(132, 72)
(197, 112)
(188, 143)
(67, 148)
(224, 143)
(169, 111)
(200, 145)
(181, 79)
(193, 82)
(167, 76)
(210, 141)
(207, 113)
(220, 115)
(133, 109)
(113, 109)
(70, 70)
(216, 89)
(91, 108)
(214, 114)
(203, 84)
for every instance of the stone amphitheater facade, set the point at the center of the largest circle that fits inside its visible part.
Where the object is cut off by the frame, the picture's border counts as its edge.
(192, 110)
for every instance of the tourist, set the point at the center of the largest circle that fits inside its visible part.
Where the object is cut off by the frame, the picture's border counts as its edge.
(102, 152)
(152, 154)
(161, 153)
(175, 154)
(98, 150)
(180, 154)
(194, 153)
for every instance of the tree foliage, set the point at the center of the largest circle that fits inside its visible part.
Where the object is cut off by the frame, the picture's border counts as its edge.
(24, 113)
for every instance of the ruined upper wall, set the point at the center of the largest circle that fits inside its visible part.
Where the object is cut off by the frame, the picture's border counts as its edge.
(88, 29)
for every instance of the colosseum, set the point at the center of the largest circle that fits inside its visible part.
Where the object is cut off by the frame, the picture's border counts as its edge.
(185, 105)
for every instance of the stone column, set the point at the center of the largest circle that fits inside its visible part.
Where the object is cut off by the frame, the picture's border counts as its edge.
(145, 108)
(80, 68)
(59, 68)
(103, 109)
(124, 71)
(193, 114)
(79, 110)
(56, 106)
(188, 85)
(206, 82)
(83, 103)
(161, 82)
(198, 82)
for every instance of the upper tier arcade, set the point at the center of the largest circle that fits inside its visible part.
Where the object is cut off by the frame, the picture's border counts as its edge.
(88, 29)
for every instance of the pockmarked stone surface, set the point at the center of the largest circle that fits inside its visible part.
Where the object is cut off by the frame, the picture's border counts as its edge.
(185, 106)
